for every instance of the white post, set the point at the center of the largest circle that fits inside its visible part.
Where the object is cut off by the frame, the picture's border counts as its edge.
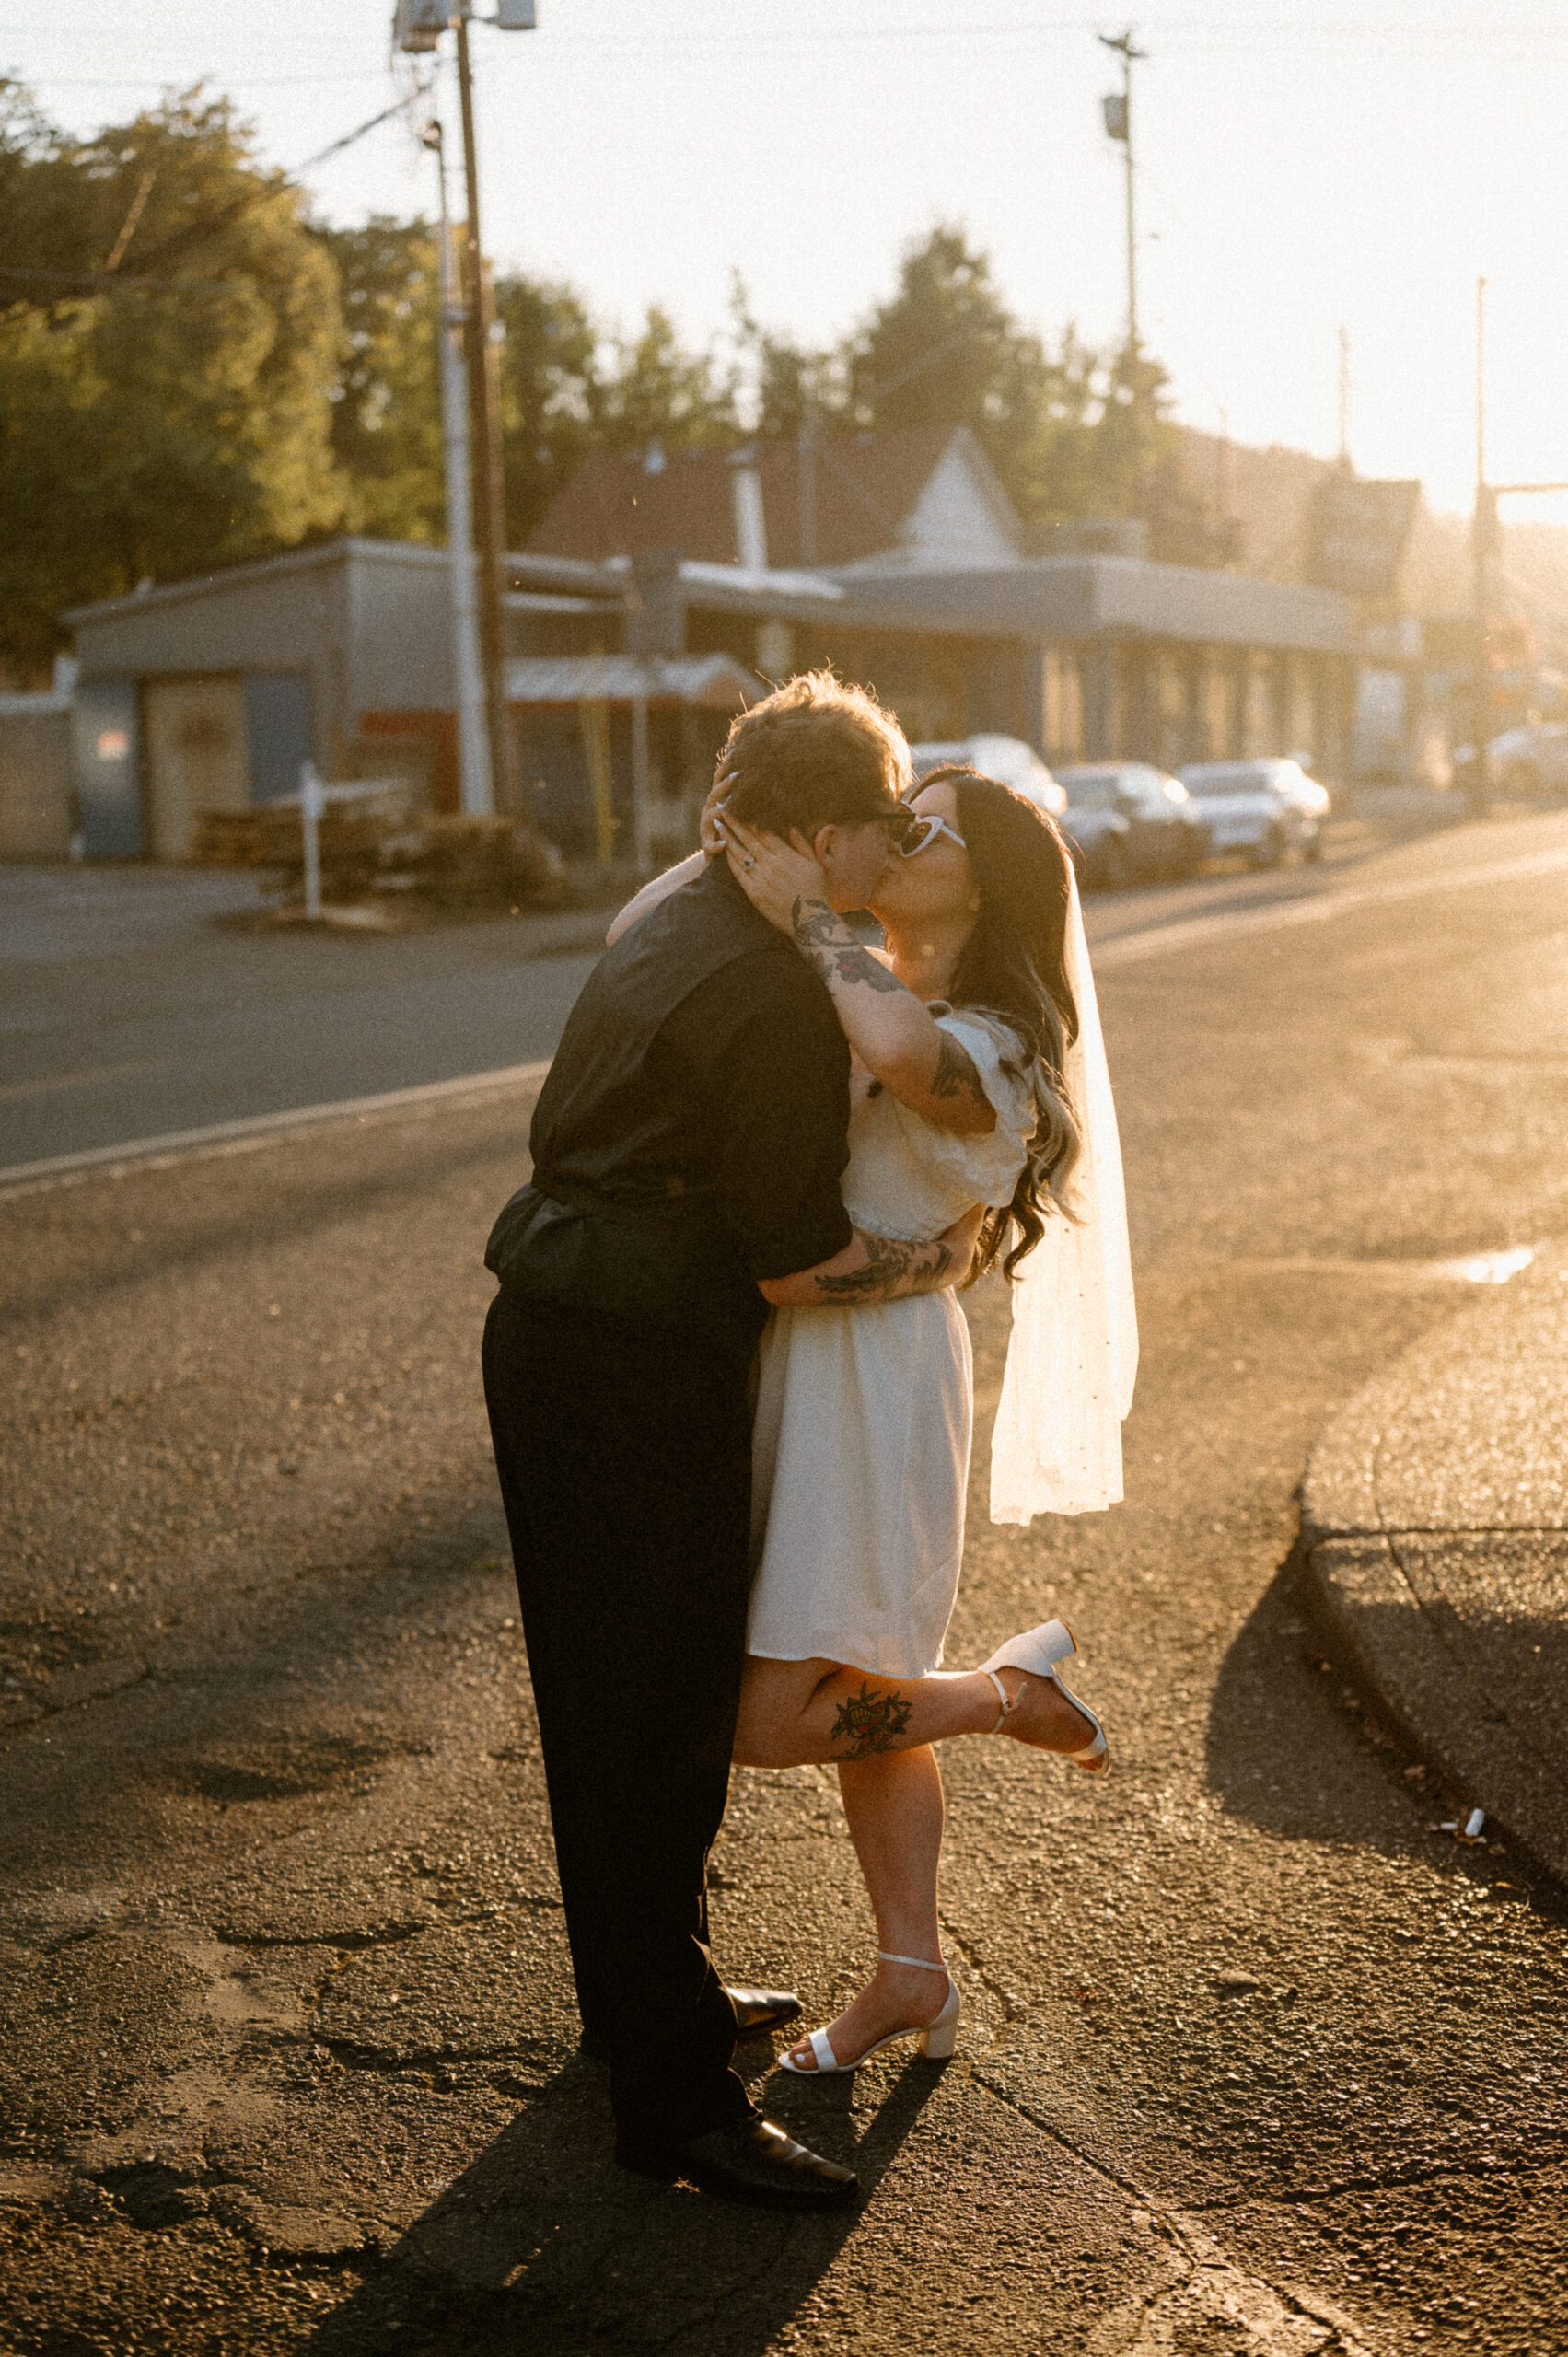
(642, 798)
(311, 802)
(478, 794)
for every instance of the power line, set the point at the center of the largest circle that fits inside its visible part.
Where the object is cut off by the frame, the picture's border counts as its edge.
(88, 282)
(1193, 32)
(163, 81)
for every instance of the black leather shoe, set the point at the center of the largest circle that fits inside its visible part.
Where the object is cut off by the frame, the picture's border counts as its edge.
(749, 2161)
(757, 2010)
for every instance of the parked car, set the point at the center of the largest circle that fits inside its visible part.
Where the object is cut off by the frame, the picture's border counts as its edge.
(1127, 821)
(1528, 761)
(1265, 810)
(1006, 758)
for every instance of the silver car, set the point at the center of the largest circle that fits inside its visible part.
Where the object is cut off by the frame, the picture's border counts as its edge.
(1127, 821)
(1266, 810)
(1007, 759)
(1527, 761)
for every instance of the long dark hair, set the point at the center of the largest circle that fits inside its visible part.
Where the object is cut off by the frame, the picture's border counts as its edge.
(1014, 965)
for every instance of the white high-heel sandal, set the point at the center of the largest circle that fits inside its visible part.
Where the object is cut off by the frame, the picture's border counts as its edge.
(937, 2039)
(1038, 1651)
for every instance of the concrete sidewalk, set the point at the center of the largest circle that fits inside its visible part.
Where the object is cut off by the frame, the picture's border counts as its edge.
(1435, 1529)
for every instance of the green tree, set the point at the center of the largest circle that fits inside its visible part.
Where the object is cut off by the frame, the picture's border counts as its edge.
(654, 390)
(1071, 432)
(789, 382)
(386, 415)
(171, 413)
(1136, 468)
(945, 350)
(550, 389)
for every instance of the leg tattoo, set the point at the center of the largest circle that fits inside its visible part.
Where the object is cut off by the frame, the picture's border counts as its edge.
(870, 1721)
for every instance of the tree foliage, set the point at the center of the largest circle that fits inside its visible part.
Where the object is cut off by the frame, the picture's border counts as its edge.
(550, 381)
(193, 372)
(1073, 433)
(386, 418)
(171, 413)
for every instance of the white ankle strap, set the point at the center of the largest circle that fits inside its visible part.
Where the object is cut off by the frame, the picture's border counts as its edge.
(920, 1962)
(1009, 1701)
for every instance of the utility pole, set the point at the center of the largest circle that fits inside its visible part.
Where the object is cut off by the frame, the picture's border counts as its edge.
(1345, 397)
(1482, 528)
(489, 505)
(417, 27)
(1117, 115)
(807, 482)
(477, 794)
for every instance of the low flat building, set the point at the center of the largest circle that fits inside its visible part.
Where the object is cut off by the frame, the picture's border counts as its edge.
(212, 692)
(209, 693)
(920, 584)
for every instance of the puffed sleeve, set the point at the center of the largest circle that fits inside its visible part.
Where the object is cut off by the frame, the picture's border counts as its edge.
(987, 1166)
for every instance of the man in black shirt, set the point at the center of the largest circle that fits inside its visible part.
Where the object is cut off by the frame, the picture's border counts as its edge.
(687, 1148)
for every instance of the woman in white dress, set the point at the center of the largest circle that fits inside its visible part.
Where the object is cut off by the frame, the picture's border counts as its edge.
(963, 1037)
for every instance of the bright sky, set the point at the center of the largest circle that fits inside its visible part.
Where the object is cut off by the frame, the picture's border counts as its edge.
(1303, 163)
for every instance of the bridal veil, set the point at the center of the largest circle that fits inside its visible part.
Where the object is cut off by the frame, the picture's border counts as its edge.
(1074, 1353)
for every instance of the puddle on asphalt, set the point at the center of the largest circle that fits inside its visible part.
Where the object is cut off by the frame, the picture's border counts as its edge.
(1487, 1268)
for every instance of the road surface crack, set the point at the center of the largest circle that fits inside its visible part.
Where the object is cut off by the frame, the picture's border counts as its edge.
(1012, 2008)
(1273, 2320)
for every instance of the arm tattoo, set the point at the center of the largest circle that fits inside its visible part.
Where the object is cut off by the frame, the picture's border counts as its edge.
(820, 936)
(893, 1265)
(869, 1723)
(955, 1075)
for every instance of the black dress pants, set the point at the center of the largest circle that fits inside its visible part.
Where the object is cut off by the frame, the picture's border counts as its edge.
(625, 1465)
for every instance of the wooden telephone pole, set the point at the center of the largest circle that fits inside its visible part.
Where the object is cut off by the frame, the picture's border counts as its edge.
(1118, 111)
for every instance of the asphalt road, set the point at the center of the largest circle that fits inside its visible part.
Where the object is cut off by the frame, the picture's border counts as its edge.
(133, 1005)
(129, 1009)
(1254, 2059)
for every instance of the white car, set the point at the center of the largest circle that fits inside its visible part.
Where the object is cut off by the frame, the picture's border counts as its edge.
(1007, 759)
(1530, 760)
(1265, 809)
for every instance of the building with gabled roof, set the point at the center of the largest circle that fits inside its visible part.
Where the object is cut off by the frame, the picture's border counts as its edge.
(209, 693)
(924, 498)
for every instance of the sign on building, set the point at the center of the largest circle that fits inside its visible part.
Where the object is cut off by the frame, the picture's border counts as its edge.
(1357, 533)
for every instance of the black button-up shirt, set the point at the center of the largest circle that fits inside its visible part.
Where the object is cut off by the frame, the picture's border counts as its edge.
(692, 1134)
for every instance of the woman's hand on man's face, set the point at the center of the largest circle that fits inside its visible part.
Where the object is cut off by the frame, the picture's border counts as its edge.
(773, 874)
(709, 828)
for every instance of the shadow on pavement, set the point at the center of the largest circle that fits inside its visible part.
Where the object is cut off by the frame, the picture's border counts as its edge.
(1276, 1753)
(544, 2242)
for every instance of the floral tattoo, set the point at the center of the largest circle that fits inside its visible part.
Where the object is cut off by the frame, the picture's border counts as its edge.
(955, 1075)
(826, 943)
(891, 1262)
(869, 1723)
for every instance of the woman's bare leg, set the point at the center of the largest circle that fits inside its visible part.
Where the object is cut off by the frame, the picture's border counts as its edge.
(794, 1712)
(893, 1803)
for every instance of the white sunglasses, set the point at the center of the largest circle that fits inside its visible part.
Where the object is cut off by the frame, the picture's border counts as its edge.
(922, 830)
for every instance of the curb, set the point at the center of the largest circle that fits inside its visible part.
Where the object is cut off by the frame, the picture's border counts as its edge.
(256, 1129)
(1433, 1678)
(1358, 1595)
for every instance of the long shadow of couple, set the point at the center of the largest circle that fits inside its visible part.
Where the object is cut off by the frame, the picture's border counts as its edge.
(544, 2244)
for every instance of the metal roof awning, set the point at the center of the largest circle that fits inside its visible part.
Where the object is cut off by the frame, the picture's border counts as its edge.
(1099, 596)
(713, 682)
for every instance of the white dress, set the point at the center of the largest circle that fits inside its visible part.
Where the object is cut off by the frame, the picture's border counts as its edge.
(861, 1447)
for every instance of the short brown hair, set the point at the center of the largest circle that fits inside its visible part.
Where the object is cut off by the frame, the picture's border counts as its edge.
(815, 753)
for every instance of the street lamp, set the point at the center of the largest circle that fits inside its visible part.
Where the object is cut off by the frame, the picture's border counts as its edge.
(417, 27)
